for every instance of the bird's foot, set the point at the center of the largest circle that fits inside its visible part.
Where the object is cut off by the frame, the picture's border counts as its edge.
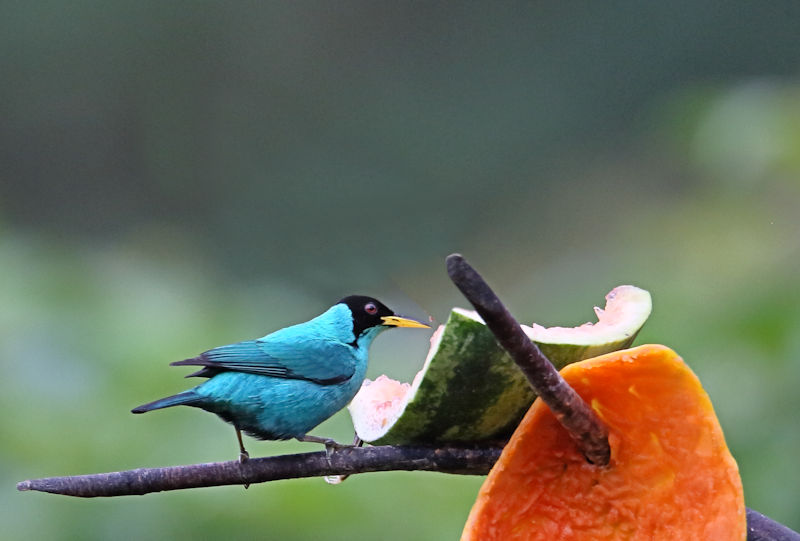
(330, 447)
(336, 479)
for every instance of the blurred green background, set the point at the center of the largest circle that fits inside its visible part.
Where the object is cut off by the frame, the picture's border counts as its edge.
(180, 175)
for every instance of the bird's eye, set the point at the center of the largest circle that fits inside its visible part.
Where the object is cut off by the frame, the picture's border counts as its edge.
(370, 308)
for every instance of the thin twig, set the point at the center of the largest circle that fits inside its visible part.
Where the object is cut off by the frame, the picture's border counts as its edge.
(583, 425)
(344, 461)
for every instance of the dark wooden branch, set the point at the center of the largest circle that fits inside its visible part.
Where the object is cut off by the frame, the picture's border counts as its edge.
(763, 528)
(344, 461)
(583, 425)
(350, 460)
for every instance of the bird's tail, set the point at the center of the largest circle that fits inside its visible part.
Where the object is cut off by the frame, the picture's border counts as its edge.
(187, 398)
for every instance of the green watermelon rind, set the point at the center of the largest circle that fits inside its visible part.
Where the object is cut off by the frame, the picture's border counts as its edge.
(470, 389)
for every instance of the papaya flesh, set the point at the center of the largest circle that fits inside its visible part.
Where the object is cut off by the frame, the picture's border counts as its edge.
(671, 475)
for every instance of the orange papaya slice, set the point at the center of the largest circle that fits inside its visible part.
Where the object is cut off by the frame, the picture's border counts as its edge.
(671, 475)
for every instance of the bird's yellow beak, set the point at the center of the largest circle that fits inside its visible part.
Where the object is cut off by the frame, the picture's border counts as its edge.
(398, 321)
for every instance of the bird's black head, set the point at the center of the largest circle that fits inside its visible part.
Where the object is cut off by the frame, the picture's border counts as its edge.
(367, 312)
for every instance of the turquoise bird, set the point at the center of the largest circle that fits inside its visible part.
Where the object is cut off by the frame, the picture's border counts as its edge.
(283, 385)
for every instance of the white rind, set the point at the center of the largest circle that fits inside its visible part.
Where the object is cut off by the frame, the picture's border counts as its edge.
(627, 308)
(372, 427)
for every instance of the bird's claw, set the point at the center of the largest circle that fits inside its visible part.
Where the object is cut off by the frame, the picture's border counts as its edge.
(332, 445)
(336, 479)
(244, 456)
(335, 444)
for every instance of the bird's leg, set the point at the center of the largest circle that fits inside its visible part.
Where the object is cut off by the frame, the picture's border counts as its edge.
(327, 442)
(330, 444)
(244, 456)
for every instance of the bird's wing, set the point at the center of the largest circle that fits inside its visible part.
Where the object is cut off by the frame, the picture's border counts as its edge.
(326, 363)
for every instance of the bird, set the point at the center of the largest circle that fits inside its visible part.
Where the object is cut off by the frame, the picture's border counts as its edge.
(284, 384)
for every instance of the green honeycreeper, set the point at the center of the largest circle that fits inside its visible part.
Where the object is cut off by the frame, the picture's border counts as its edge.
(284, 384)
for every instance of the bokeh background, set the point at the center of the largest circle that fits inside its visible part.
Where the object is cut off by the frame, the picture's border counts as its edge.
(179, 175)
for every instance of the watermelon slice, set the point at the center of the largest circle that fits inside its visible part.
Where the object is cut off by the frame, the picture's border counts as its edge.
(470, 390)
